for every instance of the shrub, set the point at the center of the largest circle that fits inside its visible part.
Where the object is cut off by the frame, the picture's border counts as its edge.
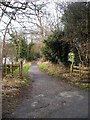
(55, 48)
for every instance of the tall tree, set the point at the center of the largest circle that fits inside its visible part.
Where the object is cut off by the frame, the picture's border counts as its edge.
(22, 48)
(9, 8)
(75, 20)
(56, 49)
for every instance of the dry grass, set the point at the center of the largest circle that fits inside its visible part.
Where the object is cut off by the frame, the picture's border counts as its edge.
(13, 90)
(52, 69)
(62, 72)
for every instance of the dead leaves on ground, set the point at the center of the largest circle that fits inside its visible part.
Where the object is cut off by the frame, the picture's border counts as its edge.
(62, 72)
(12, 92)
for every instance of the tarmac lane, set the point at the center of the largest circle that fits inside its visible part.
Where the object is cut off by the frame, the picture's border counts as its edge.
(51, 98)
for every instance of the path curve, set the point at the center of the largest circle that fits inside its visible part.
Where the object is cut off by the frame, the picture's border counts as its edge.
(52, 98)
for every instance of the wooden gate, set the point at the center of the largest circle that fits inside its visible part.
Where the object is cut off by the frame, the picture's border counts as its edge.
(81, 71)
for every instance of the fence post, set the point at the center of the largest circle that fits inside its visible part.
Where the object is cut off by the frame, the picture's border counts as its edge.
(21, 69)
(80, 67)
(12, 68)
(71, 69)
(82, 70)
(6, 69)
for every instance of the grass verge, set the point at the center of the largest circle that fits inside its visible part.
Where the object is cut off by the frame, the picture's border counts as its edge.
(62, 72)
(14, 90)
(25, 69)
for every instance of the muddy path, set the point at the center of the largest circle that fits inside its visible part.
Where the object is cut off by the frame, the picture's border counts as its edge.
(51, 97)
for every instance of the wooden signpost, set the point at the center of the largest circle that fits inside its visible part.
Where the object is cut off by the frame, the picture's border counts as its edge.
(71, 57)
(21, 68)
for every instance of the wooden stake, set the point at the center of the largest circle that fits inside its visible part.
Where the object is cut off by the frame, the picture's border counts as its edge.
(71, 69)
(21, 69)
(12, 69)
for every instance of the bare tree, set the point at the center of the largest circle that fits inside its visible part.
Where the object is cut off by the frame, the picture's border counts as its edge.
(35, 18)
(9, 9)
(32, 17)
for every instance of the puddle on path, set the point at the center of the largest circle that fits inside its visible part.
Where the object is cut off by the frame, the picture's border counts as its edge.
(34, 104)
(70, 94)
(41, 95)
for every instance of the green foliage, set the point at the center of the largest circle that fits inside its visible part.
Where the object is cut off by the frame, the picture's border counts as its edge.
(74, 36)
(52, 69)
(25, 69)
(42, 66)
(32, 54)
(56, 49)
(29, 52)
(23, 48)
(75, 20)
(76, 23)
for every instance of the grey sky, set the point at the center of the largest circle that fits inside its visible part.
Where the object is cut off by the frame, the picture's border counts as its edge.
(50, 7)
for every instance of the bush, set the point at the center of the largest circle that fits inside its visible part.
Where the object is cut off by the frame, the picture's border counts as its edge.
(55, 48)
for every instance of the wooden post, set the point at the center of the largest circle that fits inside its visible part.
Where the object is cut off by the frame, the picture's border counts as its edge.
(80, 71)
(9, 68)
(21, 69)
(71, 69)
(6, 69)
(12, 68)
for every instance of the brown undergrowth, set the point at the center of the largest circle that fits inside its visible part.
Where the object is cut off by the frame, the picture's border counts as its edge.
(59, 70)
(14, 90)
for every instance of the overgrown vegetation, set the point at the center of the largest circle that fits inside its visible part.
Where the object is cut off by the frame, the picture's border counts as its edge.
(76, 21)
(14, 89)
(61, 34)
(22, 49)
(61, 71)
(56, 49)
(74, 37)
(25, 69)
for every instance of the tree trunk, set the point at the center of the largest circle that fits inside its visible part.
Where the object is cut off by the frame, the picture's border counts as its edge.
(0, 79)
(21, 69)
(3, 45)
(79, 54)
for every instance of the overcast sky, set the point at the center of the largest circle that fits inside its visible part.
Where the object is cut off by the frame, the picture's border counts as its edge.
(50, 8)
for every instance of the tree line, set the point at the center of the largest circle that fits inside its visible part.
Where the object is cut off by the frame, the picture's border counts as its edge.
(17, 47)
(74, 37)
(67, 31)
